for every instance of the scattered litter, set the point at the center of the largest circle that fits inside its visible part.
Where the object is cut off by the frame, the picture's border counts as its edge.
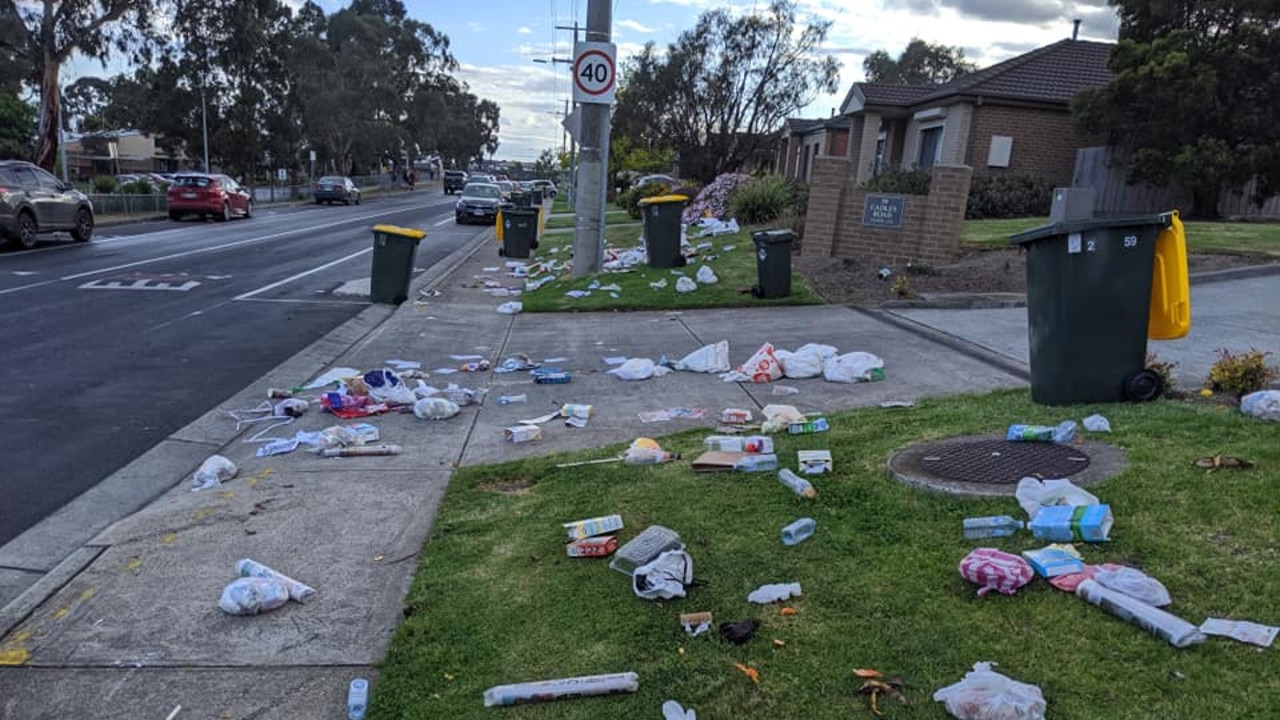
(592, 547)
(750, 672)
(1250, 632)
(590, 527)
(1216, 462)
(731, 443)
(685, 285)
(1097, 423)
(659, 284)
(435, 408)
(798, 485)
(214, 471)
(777, 417)
(576, 415)
(1062, 433)
(815, 462)
(853, 367)
(611, 287)
(707, 359)
(713, 227)
(350, 406)
(298, 591)
(808, 427)
(357, 698)
(489, 269)
(696, 623)
(1264, 405)
(644, 451)
(445, 371)
(554, 360)
(897, 404)
(1061, 523)
(578, 293)
(739, 631)
(706, 276)
(1054, 560)
(511, 308)
(330, 377)
(362, 451)
(541, 419)
(875, 684)
(716, 461)
(735, 416)
(1174, 630)
(638, 369)
(978, 528)
(798, 531)
(517, 363)
(1134, 583)
(399, 365)
(763, 367)
(387, 387)
(475, 366)
(615, 360)
(672, 710)
(561, 689)
(644, 548)
(729, 248)
(984, 694)
(253, 595)
(807, 361)
(995, 570)
(522, 433)
(776, 592)
(513, 399)
(665, 577)
(551, 376)
(785, 390)
(1033, 494)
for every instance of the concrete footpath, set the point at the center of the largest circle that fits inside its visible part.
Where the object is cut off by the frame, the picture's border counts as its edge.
(126, 624)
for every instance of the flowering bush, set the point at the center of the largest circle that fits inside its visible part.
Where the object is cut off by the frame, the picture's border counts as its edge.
(713, 201)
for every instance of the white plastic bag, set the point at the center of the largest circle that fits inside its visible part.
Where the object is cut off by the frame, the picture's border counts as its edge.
(1032, 494)
(214, 471)
(511, 308)
(823, 351)
(685, 285)
(851, 367)
(435, 408)
(387, 387)
(639, 369)
(1134, 583)
(706, 359)
(776, 592)
(804, 363)
(1264, 405)
(707, 276)
(984, 694)
(763, 367)
(664, 577)
(253, 595)
(778, 417)
(1097, 423)
(672, 710)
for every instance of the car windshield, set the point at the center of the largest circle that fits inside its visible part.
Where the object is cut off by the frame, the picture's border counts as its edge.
(331, 180)
(484, 191)
(191, 181)
(505, 185)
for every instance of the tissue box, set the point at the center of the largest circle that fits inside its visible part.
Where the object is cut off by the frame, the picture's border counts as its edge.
(1063, 523)
(814, 462)
(1051, 562)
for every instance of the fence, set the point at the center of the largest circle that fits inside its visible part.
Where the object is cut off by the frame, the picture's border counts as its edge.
(1103, 169)
(158, 203)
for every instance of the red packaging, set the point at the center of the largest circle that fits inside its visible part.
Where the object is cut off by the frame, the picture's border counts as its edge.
(995, 570)
(592, 547)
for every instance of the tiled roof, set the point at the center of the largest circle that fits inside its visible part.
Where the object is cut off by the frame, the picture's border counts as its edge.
(799, 126)
(1053, 73)
(890, 94)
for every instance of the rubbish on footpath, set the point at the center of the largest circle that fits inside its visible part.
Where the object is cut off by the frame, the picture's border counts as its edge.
(1264, 405)
(1058, 523)
(511, 308)
(331, 377)
(435, 408)
(995, 570)
(638, 369)
(653, 416)
(798, 485)
(1173, 629)
(1249, 632)
(577, 410)
(516, 363)
(732, 443)
(644, 548)
(806, 362)
(214, 471)
(696, 623)
(253, 595)
(1097, 423)
(762, 367)
(984, 694)
(1054, 560)
(776, 592)
(685, 285)
(815, 462)
(785, 390)
(735, 416)
(387, 387)
(672, 710)
(1217, 462)
(541, 419)
(1134, 583)
(402, 365)
(717, 461)
(522, 433)
(798, 531)
(808, 427)
(551, 376)
(513, 399)
(362, 451)
(348, 407)
(615, 360)
(298, 591)
(739, 631)
(989, 527)
(592, 547)
(706, 275)
(664, 577)
(581, 529)
(875, 684)
(778, 417)
(853, 367)
(278, 393)
(1062, 433)
(1033, 494)
(562, 689)
(707, 359)
(475, 366)
(458, 357)
(345, 435)
(357, 699)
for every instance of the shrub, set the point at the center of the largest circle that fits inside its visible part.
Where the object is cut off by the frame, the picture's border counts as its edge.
(901, 182)
(795, 222)
(104, 184)
(1240, 374)
(630, 200)
(760, 201)
(713, 199)
(138, 187)
(1008, 196)
(799, 196)
(1163, 369)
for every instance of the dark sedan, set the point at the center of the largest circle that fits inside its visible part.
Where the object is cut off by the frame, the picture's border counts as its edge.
(479, 201)
(336, 189)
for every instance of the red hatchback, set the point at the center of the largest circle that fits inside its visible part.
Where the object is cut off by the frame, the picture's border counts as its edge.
(216, 196)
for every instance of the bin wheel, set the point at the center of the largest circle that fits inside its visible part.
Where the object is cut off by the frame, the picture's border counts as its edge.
(533, 245)
(1143, 386)
(502, 252)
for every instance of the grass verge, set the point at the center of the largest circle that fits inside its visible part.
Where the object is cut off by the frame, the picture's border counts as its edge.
(612, 217)
(736, 269)
(1202, 237)
(496, 601)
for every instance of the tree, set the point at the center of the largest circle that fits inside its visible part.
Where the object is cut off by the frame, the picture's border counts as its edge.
(54, 29)
(921, 63)
(546, 165)
(15, 65)
(17, 127)
(724, 87)
(1194, 96)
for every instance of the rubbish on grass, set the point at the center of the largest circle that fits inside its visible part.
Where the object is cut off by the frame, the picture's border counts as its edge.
(435, 408)
(778, 417)
(512, 399)
(214, 471)
(1054, 560)
(787, 611)
(798, 485)
(989, 527)
(581, 529)
(713, 226)
(762, 367)
(1069, 582)
(1134, 583)
(696, 623)
(873, 686)
(575, 294)
(648, 456)
(1216, 462)
(1088, 523)
(1062, 433)
(1097, 423)
(511, 308)
(739, 631)
(298, 591)
(592, 547)
(551, 376)
(853, 367)
(329, 377)
(362, 451)
(357, 698)
(685, 285)
(253, 595)
(672, 710)
(808, 427)
(644, 548)
(1033, 494)
(664, 577)
(798, 531)
(522, 433)
(706, 359)
(776, 592)
(638, 369)
(1174, 630)
(995, 570)
(561, 689)
(735, 416)
(706, 275)
(785, 390)
(815, 462)
(897, 404)
(731, 443)
(984, 694)
(750, 672)
(660, 284)
(717, 461)
(1264, 405)
(1250, 632)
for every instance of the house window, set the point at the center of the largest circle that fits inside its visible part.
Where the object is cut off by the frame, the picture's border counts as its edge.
(930, 146)
(1000, 152)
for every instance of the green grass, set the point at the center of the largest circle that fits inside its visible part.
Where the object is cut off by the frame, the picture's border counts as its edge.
(496, 601)
(1202, 237)
(612, 217)
(736, 270)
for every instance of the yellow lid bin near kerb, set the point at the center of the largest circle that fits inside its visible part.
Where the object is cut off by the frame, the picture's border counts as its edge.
(660, 199)
(1170, 317)
(401, 231)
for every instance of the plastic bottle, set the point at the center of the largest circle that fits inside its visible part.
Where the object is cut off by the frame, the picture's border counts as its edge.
(510, 399)
(757, 463)
(648, 456)
(798, 531)
(357, 699)
(730, 443)
(798, 485)
(989, 527)
(816, 425)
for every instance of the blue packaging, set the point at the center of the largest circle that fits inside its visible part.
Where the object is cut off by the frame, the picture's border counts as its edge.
(1051, 562)
(1063, 523)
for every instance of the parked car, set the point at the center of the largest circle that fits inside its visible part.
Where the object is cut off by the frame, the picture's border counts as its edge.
(656, 179)
(208, 195)
(548, 187)
(506, 187)
(32, 202)
(454, 180)
(333, 188)
(479, 201)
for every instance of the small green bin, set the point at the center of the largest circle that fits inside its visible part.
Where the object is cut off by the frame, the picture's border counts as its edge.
(394, 251)
(535, 196)
(662, 222)
(773, 262)
(519, 231)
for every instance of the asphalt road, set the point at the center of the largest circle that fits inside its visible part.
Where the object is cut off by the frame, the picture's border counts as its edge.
(111, 346)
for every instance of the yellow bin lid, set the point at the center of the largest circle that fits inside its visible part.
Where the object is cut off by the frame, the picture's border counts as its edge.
(401, 231)
(663, 199)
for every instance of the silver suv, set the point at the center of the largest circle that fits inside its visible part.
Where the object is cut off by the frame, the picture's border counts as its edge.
(32, 202)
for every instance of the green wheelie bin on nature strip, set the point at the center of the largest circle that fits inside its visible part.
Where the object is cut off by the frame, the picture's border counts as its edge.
(662, 224)
(394, 251)
(773, 262)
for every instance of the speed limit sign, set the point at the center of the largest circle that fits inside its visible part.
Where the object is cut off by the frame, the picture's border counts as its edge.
(594, 72)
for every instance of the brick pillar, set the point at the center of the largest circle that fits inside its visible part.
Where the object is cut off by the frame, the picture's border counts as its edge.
(830, 181)
(944, 214)
(866, 142)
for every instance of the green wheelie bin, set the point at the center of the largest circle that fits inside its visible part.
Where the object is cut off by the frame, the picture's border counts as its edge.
(773, 263)
(662, 229)
(519, 231)
(1088, 304)
(394, 250)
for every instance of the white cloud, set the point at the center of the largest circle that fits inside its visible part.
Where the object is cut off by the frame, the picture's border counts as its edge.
(525, 31)
(634, 25)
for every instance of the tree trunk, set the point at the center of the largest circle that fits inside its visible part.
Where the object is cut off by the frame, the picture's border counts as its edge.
(50, 114)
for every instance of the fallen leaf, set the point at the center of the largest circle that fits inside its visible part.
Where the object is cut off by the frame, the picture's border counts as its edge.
(750, 672)
(868, 673)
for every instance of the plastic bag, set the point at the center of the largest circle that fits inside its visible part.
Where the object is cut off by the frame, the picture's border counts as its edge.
(664, 577)
(511, 308)
(1097, 423)
(387, 387)
(776, 592)
(460, 396)
(707, 276)
(763, 367)
(851, 367)
(706, 359)
(995, 570)
(984, 694)
(253, 595)
(1173, 629)
(803, 363)
(778, 417)
(672, 710)
(685, 285)
(1134, 583)
(214, 471)
(1264, 405)
(1032, 494)
(639, 369)
(435, 408)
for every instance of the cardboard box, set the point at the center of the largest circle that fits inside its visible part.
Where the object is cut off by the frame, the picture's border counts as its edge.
(592, 547)
(735, 416)
(718, 461)
(1063, 523)
(522, 433)
(579, 529)
(815, 462)
(1051, 562)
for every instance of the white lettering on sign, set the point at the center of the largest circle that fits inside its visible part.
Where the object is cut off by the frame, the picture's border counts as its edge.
(594, 72)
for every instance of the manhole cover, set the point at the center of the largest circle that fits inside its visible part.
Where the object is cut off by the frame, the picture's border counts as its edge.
(1003, 462)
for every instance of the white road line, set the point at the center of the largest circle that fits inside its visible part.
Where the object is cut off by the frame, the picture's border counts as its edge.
(278, 283)
(442, 222)
(6, 291)
(304, 302)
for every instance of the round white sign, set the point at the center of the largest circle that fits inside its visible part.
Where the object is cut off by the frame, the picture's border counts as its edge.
(594, 73)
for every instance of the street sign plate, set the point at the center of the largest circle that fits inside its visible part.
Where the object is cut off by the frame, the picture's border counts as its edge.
(572, 123)
(595, 72)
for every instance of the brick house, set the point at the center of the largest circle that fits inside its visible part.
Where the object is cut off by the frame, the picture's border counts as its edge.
(804, 140)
